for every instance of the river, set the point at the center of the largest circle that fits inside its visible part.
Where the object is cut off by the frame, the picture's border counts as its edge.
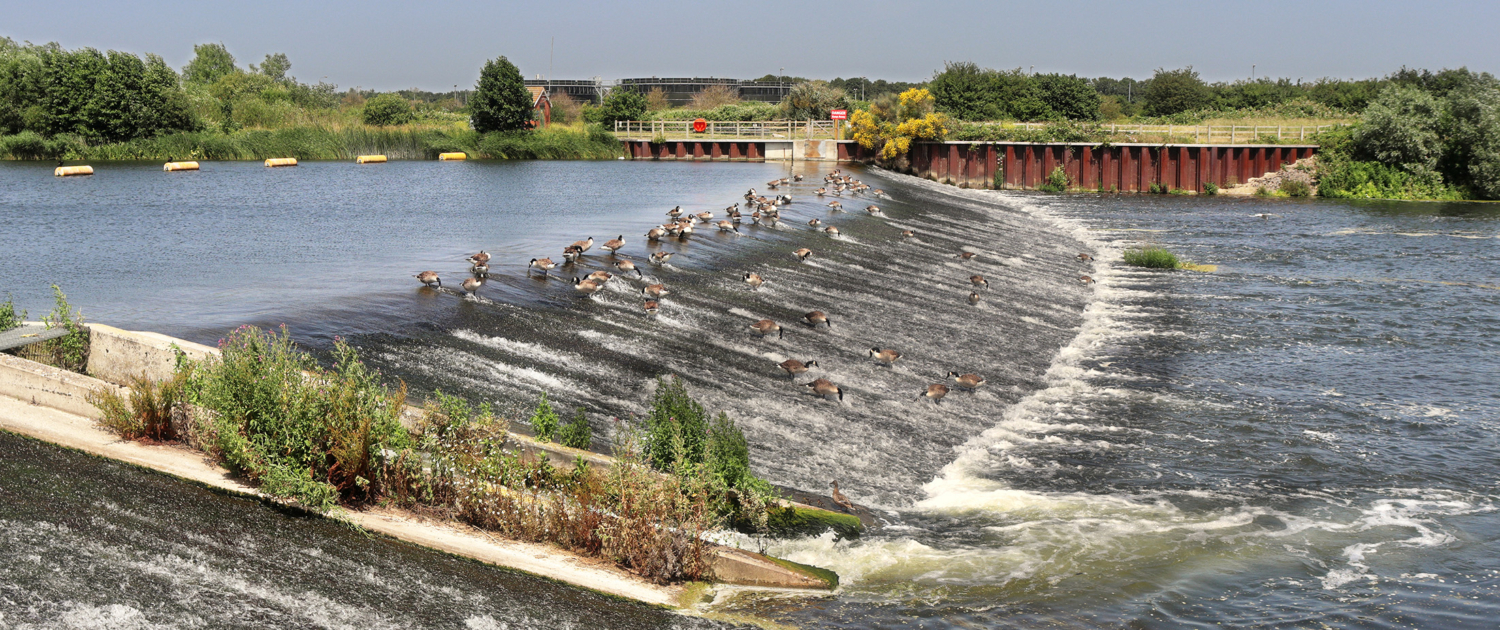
(1304, 437)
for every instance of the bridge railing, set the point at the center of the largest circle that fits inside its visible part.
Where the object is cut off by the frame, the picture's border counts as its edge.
(1200, 134)
(725, 130)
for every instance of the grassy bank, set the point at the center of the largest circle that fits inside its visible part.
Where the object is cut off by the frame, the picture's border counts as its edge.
(331, 436)
(333, 142)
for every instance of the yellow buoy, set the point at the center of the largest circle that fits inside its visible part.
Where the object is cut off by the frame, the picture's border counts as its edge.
(180, 166)
(453, 156)
(369, 159)
(281, 162)
(67, 171)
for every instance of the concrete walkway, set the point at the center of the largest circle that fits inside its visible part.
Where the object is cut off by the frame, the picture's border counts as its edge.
(83, 434)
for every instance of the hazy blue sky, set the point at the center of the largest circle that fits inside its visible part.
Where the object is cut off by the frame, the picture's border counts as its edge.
(434, 45)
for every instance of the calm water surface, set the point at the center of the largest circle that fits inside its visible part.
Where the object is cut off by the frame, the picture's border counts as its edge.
(1304, 438)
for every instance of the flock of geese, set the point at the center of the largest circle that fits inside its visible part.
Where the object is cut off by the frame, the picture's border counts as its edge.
(762, 211)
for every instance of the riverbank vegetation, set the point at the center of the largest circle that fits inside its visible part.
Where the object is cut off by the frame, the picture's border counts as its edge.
(70, 351)
(1152, 257)
(335, 436)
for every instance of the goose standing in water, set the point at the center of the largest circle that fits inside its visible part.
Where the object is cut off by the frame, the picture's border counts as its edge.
(654, 290)
(966, 255)
(794, 367)
(584, 245)
(655, 234)
(430, 278)
(660, 258)
(675, 212)
(814, 222)
(1085, 279)
(839, 498)
(571, 253)
(600, 277)
(1085, 258)
(835, 206)
(614, 244)
(544, 264)
(907, 234)
(885, 357)
(725, 225)
(626, 266)
(651, 307)
(979, 281)
(935, 391)
(831, 230)
(586, 287)
(973, 298)
(824, 388)
(482, 258)
(967, 381)
(479, 269)
(471, 286)
(872, 209)
(802, 254)
(817, 317)
(765, 327)
(754, 280)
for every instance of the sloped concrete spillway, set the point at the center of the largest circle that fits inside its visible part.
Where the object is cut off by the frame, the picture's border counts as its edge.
(878, 288)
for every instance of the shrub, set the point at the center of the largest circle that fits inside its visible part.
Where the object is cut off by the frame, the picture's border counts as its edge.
(1174, 91)
(621, 104)
(1157, 188)
(1057, 181)
(500, 101)
(727, 453)
(715, 96)
(148, 411)
(1400, 128)
(812, 100)
(544, 420)
(1151, 258)
(676, 427)
(387, 109)
(8, 317)
(1210, 188)
(1295, 188)
(577, 433)
(70, 351)
(656, 99)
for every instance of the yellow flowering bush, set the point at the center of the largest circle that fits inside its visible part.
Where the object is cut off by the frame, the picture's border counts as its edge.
(891, 127)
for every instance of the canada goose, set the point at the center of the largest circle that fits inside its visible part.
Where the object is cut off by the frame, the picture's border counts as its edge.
(783, 200)
(1085, 258)
(825, 388)
(471, 285)
(817, 317)
(935, 391)
(750, 194)
(836, 206)
(655, 234)
(878, 193)
(584, 246)
(831, 230)
(802, 254)
(482, 257)
(814, 222)
(839, 498)
(479, 269)
(626, 266)
(820, 192)
(600, 277)
(650, 307)
(544, 264)
(794, 367)
(614, 244)
(886, 356)
(979, 281)
(796, 178)
(571, 253)
(704, 217)
(1085, 279)
(660, 258)
(765, 327)
(675, 212)
(966, 255)
(907, 234)
(784, 181)
(973, 297)
(655, 290)
(773, 184)
(967, 381)
(725, 225)
(754, 280)
(430, 278)
(872, 209)
(734, 215)
(586, 287)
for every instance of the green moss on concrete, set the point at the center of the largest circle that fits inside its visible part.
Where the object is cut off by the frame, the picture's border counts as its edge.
(829, 578)
(792, 521)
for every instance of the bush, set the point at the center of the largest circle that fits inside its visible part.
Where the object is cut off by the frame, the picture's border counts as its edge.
(1157, 188)
(1210, 188)
(544, 420)
(812, 100)
(621, 104)
(8, 317)
(387, 109)
(715, 96)
(148, 411)
(70, 351)
(1151, 258)
(1057, 181)
(500, 101)
(577, 433)
(1295, 188)
(676, 427)
(727, 452)
(1175, 91)
(1400, 128)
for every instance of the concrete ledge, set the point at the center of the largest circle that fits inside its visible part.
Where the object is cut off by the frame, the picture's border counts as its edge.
(49, 386)
(116, 355)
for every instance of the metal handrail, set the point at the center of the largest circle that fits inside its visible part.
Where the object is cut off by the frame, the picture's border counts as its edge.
(720, 129)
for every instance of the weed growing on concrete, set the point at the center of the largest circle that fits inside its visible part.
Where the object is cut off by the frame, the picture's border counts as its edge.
(577, 433)
(147, 411)
(70, 351)
(8, 317)
(1152, 258)
(544, 420)
(1057, 181)
(1210, 188)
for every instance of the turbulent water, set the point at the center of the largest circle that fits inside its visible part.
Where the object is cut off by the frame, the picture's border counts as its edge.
(1304, 437)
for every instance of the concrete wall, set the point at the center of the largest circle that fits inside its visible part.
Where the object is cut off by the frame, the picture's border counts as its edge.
(116, 355)
(48, 386)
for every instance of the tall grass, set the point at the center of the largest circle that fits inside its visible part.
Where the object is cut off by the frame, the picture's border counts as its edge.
(1152, 258)
(147, 411)
(70, 351)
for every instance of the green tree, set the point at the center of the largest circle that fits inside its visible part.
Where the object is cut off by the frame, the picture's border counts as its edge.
(500, 101)
(1068, 96)
(387, 109)
(67, 88)
(1175, 91)
(621, 104)
(210, 61)
(812, 100)
(275, 67)
(1401, 128)
(1471, 127)
(965, 91)
(675, 419)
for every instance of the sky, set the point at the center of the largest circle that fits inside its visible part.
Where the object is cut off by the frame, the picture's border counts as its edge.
(436, 45)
